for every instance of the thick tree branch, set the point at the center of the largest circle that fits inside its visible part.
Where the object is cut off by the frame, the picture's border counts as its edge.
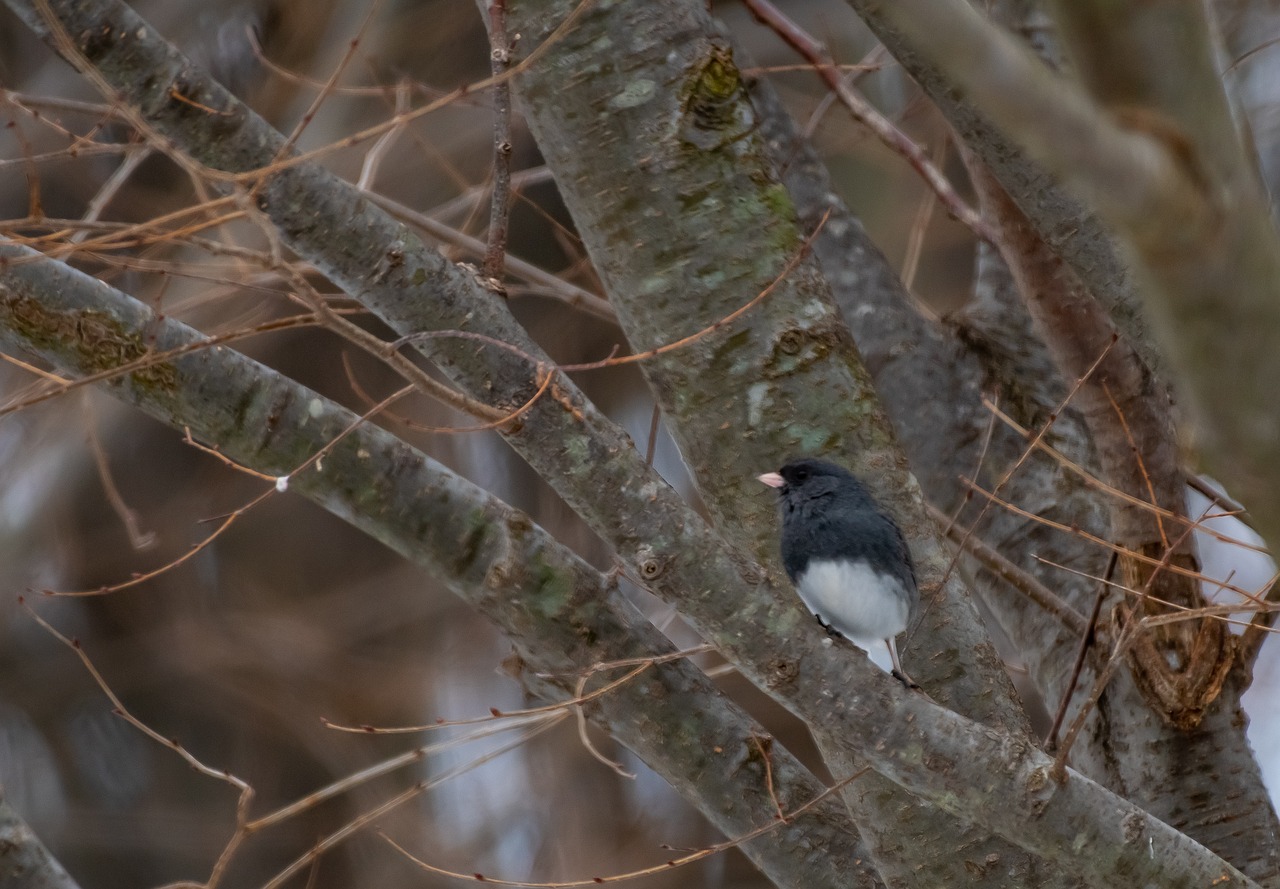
(1127, 172)
(25, 863)
(1180, 667)
(933, 379)
(564, 616)
(1183, 201)
(1070, 227)
(432, 516)
(783, 379)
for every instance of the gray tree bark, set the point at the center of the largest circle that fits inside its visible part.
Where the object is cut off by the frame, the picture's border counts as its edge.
(25, 862)
(641, 111)
(564, 617)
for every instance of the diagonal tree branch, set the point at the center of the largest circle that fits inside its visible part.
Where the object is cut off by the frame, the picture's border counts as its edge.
(990, 349)
(783, 379)
(25, 863)
(1071, 228)
(564, 617)
(478, 544)
(1187, 203)
(743, 623)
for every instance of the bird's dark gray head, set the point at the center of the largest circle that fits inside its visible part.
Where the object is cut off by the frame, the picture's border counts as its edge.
(809, 478)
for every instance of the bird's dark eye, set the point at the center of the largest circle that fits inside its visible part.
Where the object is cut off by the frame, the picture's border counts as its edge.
(802, 474)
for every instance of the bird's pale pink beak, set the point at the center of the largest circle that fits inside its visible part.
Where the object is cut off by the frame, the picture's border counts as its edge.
(772, 479)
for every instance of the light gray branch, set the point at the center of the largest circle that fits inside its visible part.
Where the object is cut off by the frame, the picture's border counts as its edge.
(25, 863)
(931, 379)
(783, 379)
(564, 616)
(1179, 192)
(937, 755)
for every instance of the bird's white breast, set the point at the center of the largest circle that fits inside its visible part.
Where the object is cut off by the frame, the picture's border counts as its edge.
(862, 604)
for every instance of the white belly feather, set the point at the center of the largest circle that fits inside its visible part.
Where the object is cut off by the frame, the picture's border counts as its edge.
(862, 605)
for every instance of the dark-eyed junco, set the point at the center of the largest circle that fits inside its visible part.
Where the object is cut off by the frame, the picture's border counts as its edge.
(846, 556)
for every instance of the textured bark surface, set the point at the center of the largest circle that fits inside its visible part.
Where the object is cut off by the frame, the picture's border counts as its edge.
(1169, 176)
(783, 377)
(478, 544)
(990, 347)
(564, 616)
(780, 381)
(25, 863)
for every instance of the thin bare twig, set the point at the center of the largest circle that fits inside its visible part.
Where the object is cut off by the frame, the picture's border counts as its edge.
(614, 360)
(363, 820)
(1221, 500)
(852, 73)
(1019, 579)
(555, 286)
(1260, 626)
(245, 791)
(500, 202)
(35, 206)
(654, 422)
(689, 858)
(400, 760)
(27, 102)
(471, 195)
(363, 339)
(983, 450)
(919, 230)
(1086, 640)
(140, 540)
(111, 188)
(1132, 442)
(281, 484)
(1133, 626)
(327, 90)
(637, 665)
(1034, 440)
(1101, 542)
(765, 747)
(1058, 770)
(373, 160)
(581, 716)
(1098, 484)
(1177, 611)
(866, 114)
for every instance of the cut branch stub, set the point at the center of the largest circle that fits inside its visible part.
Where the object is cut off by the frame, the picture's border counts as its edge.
(1179, 667)
(716, 111)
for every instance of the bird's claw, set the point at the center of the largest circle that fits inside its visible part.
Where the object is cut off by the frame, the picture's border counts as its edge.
(906, 680)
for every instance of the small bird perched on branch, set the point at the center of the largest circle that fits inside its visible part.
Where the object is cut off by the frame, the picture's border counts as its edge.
(846, 556)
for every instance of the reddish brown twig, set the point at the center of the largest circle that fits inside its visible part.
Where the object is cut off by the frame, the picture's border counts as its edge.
(866, 114)
(1086, 640)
